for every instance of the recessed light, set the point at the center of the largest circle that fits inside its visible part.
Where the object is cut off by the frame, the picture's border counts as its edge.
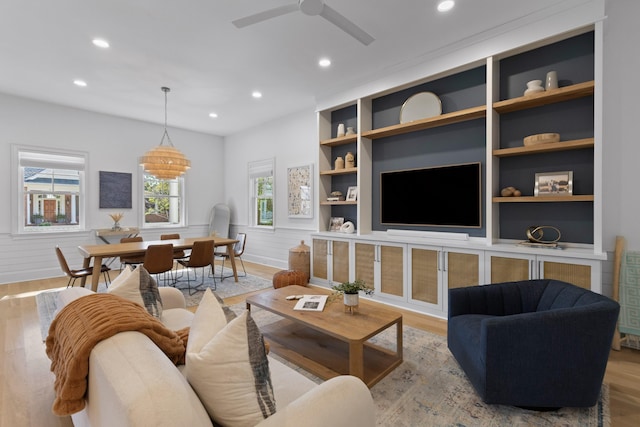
(101, 43)
(80, 83)
(256, 94)
(213, 115)
(446, 5)
(324, 62)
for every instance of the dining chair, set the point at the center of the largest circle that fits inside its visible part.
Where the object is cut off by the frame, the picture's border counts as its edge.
(201, 257)
(79, 273)
(238, 250)
(134, 260)
(159, 259)
(178, 254)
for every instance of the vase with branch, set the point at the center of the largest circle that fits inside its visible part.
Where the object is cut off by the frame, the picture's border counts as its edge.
(116, 217)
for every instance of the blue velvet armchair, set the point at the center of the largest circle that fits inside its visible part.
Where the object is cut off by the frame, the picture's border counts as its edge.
(536, 343)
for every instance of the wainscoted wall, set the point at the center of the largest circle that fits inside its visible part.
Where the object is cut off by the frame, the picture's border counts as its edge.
(113, 144)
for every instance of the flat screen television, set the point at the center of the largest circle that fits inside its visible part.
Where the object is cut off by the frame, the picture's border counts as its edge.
(446, 196)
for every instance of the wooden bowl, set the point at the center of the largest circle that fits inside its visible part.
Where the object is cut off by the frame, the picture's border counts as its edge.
(541, 138)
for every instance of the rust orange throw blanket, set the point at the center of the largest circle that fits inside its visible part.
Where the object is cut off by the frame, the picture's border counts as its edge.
(80, 326)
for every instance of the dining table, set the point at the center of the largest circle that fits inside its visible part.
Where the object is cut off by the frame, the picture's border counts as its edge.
(97, 253)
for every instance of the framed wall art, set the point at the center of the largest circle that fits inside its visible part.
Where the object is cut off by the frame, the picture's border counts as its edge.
(300, 191)
(554, 184)
(115, 190)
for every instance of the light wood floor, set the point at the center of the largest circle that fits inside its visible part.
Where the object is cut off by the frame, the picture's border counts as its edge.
(26, 384)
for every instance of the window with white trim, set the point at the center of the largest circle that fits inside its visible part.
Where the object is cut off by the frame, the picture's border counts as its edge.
(50, 190)
(164, 204)
(261, 193)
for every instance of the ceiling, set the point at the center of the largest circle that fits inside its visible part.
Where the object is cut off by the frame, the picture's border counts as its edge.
(210, 65)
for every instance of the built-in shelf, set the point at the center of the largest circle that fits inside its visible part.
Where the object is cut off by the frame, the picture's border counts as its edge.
(537, 199)
(344, 171)
(431, 122)
(341, 140)
(566, 93)
(576, 144)
(338, 203)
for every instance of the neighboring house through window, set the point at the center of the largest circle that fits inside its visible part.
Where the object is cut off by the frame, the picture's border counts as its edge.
(261, 193)
(164, 204)
(50, 189)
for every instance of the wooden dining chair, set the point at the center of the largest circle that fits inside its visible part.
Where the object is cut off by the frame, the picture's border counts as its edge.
(159, 259)
(201, 257)
(79, 273)
(134, 260)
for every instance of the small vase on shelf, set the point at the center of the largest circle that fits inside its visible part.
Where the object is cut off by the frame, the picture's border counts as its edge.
(552, 80)
(534, 86)
(349, 160)
(350, 131)
(339, 163)
(340, 130)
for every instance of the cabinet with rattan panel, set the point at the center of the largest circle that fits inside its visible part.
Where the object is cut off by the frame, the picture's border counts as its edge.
(433, 270)
(330, 263)
(382, 265)
(509, 267)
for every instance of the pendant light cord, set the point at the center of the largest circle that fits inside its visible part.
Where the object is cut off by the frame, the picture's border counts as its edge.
(165, 134)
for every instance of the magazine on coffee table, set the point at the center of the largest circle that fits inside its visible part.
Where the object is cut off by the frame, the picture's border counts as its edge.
(311, 303)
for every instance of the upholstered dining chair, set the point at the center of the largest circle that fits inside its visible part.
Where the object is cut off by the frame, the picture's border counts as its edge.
(238, 250)
(159, 259)
(134, 260)
(80, 273)
(201, 257)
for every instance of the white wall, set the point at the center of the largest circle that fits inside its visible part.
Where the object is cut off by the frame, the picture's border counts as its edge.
(114, 144)
(621, 142)
(292, 141)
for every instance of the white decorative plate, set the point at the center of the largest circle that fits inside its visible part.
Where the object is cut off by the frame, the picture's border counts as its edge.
(420, 106)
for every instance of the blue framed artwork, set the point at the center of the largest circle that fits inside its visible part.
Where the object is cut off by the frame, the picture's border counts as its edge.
(115, 190)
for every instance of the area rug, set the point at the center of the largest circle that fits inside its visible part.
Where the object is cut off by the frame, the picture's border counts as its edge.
(46, 301)
(430, 389)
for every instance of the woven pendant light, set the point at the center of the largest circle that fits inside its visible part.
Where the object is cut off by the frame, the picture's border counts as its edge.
(165, 161)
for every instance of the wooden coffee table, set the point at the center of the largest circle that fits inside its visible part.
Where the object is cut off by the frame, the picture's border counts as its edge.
(331, 342)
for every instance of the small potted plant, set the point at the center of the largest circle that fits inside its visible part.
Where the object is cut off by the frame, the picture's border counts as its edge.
(350, 292)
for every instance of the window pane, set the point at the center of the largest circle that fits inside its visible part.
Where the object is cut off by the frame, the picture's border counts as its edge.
(162, 201)
(51, 197)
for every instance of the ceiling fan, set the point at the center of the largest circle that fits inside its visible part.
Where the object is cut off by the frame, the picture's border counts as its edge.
(311, 8)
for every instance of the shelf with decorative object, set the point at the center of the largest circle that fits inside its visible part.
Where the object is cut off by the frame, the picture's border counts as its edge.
(544, 199)
(344, 171)
(341, 140)
(338, 203)
(431, 122)
(552, 96)
(576, 144)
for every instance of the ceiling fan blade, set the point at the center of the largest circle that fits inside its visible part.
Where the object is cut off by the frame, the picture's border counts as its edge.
(345, 25)
(263, 16)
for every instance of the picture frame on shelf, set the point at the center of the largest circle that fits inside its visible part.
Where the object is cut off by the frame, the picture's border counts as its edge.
(335, 223)
(300, 191)
(554, 184)
(352, 194)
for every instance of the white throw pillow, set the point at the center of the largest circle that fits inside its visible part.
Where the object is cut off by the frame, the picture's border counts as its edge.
(138, 286)
(231, 375)
(208, 320)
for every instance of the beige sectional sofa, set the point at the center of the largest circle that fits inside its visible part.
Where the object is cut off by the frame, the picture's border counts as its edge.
(132, 383)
